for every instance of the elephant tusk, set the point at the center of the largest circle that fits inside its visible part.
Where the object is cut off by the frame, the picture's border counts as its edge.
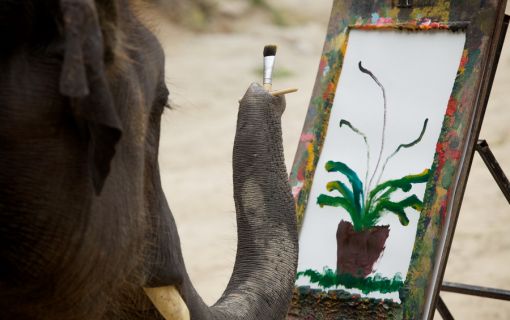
(169, 302)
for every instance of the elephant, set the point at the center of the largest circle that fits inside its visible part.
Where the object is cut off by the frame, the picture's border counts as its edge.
(85, 228)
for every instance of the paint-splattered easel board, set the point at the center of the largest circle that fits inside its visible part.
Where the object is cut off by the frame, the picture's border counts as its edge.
(384, 154)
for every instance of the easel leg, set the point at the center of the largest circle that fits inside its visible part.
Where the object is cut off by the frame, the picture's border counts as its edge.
(443, 309)
(495, 169)
(482, 147)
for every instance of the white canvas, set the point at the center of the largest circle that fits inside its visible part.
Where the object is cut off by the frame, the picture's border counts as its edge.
(418, 70)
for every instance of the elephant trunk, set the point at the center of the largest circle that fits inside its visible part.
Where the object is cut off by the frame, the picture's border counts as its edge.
(267, 248)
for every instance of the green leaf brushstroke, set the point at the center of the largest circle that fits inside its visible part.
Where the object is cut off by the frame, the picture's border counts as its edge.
(359, 132)
(398, 207)
(325, 200)
(357, 185)
(405, 184)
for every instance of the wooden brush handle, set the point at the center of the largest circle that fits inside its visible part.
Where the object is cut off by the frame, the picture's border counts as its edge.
(279, 92)
(283, 91)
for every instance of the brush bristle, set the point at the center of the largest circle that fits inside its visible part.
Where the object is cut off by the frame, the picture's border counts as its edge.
(270, 50)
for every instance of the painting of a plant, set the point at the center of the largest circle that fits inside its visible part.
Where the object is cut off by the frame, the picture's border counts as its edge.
(361, 242)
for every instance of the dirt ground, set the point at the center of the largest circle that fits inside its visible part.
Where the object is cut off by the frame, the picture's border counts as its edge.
(207, 72)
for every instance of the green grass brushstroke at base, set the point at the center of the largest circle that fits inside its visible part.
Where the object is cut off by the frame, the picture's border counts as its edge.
(330, 279)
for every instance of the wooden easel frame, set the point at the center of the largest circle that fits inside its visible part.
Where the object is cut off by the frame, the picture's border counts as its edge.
(418, 301)
(483, 149)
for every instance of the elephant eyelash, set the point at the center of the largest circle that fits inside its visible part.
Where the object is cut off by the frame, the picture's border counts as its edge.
(160, 106)
(165, 98)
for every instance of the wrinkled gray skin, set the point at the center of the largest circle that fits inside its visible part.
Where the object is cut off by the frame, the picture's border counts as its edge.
(265, 266)
(84, 223)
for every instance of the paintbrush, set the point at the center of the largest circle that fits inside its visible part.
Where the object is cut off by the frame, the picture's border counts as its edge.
(269, 59)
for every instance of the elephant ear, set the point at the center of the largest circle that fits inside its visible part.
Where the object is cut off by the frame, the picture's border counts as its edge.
(83, 80)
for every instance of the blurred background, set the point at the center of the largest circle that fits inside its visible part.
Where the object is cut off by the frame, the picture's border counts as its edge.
(213, 52)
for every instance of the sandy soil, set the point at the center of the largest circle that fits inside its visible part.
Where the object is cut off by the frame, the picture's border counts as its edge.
(207, 72)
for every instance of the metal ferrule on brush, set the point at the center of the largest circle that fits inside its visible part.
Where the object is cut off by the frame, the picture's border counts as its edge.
(268, 69)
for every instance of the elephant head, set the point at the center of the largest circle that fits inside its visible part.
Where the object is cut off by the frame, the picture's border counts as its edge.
(84, 223)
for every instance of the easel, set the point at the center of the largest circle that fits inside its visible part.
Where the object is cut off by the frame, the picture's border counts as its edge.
(495, 169)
